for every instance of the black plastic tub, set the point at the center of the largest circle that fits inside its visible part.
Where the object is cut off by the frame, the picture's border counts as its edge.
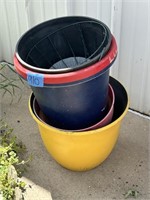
(63, 44)
(74, 100)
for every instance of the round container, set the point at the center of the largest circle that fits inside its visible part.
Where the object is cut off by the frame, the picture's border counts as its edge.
(106, 120)
(81, 151)
(67, 98)
(63, 44)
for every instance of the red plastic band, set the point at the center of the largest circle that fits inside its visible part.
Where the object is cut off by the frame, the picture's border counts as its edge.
(75, 75)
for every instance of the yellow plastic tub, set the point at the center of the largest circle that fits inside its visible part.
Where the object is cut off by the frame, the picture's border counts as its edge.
(81, 151)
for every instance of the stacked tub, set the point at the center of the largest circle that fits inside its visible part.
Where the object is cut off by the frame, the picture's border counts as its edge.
(66, 62)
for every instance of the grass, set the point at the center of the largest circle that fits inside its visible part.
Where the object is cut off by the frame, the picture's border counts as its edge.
(12, 165)
(7, 84)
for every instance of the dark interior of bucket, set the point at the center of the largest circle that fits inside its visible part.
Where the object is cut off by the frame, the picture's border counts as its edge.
(121, 100)
(65, 43)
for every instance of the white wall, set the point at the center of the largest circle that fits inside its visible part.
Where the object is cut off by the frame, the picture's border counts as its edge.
(129, 21)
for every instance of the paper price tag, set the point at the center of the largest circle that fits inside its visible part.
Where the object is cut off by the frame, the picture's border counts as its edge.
(34, 79)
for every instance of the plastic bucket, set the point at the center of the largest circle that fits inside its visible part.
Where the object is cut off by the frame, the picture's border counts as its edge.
(81, 151)
(63, 44)
(73, 100)
(106, 120)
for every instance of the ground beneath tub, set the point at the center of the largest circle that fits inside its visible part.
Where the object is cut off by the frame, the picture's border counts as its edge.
(127, 168)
